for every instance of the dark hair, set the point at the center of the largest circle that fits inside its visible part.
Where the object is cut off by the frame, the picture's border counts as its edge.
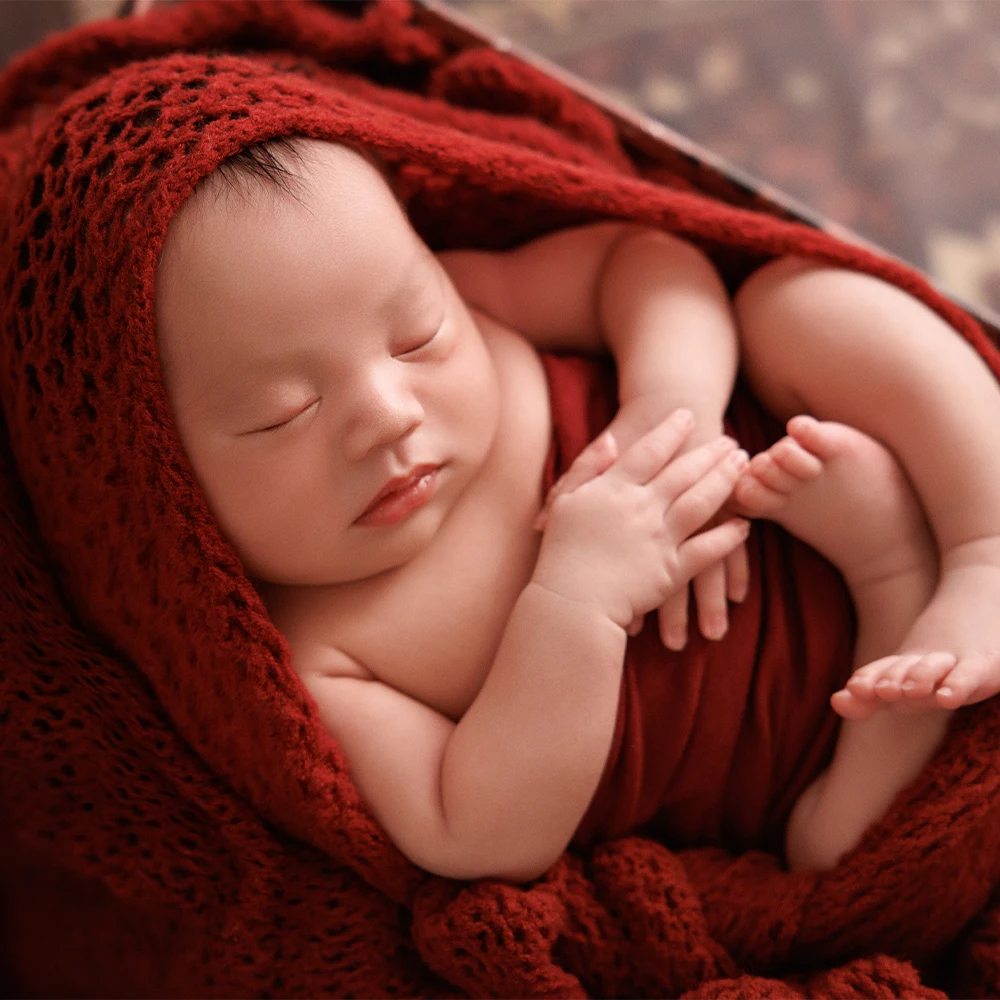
(270, 165)
(264, 165)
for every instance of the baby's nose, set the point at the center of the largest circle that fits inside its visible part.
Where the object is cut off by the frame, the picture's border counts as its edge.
(386, 410)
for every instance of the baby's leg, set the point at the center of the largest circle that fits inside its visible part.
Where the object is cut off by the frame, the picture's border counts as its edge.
(845, 346)
(844, 494)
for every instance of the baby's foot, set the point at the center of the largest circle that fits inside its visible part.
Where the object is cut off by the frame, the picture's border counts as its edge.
(960, 617)
(846, 495)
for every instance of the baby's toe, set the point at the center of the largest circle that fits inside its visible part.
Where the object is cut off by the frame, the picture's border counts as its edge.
(766, 470)
(795, 461)
(865, 681)
(862, 683)
(967, 682)
(754, 492)
(926, 673)
(889, 687)
(848, 706)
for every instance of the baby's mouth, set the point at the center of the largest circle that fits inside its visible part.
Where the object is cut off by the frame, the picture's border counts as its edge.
(401, 496)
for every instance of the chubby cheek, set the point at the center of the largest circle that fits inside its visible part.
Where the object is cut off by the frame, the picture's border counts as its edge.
(471, 400)
(270, 509)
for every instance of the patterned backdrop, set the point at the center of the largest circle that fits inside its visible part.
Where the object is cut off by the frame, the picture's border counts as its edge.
(884, 115)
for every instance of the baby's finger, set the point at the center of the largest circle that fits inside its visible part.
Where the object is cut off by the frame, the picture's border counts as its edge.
(738, 574)
(635, 626)
(594, 460)
(673, 618)
(682, 473)
(696, 505)
(643, 459)
(700, 551)
(710, 596)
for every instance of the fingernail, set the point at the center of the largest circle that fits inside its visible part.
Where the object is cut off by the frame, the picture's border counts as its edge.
(715, 629)
(738, 459)
(676, 637)
(684, 417)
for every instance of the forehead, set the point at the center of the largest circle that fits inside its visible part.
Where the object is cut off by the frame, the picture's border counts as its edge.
(238, 272)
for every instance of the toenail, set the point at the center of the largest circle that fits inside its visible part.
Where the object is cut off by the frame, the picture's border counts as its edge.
(908, 685)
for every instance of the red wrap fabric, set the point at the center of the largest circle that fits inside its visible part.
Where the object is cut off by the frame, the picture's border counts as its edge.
(173, 818)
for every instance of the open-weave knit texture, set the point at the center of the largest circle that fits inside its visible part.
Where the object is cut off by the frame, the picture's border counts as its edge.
(173, 818)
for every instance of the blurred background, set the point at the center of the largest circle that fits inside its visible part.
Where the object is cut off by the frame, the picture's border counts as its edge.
(883, 115)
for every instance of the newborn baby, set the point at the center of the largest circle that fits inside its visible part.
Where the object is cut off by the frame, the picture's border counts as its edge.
(370, 424)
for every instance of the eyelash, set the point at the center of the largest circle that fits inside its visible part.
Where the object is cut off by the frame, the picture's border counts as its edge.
(422, 344)
(285, 423)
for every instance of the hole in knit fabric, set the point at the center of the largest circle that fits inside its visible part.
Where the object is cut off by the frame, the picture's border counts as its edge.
(43, 222)
(146, 116)
(27, 295)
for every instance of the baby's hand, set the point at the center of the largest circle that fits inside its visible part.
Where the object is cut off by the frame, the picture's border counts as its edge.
(623, 540)
(722, 581)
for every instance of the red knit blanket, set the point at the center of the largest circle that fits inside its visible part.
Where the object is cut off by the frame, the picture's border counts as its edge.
(173, 818)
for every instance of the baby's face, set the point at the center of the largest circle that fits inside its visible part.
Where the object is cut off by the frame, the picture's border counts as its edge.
(316, 355)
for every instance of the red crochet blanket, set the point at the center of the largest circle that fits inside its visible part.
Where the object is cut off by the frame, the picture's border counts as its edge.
(173, 818)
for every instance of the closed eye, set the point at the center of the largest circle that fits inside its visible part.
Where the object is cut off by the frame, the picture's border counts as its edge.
(285, 423)
(421, 344)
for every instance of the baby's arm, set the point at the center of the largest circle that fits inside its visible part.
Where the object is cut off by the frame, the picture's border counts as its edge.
(500, 792)
(659, 306)
(654, 301)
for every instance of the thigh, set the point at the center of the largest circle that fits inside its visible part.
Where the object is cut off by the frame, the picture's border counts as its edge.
(831, 341)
